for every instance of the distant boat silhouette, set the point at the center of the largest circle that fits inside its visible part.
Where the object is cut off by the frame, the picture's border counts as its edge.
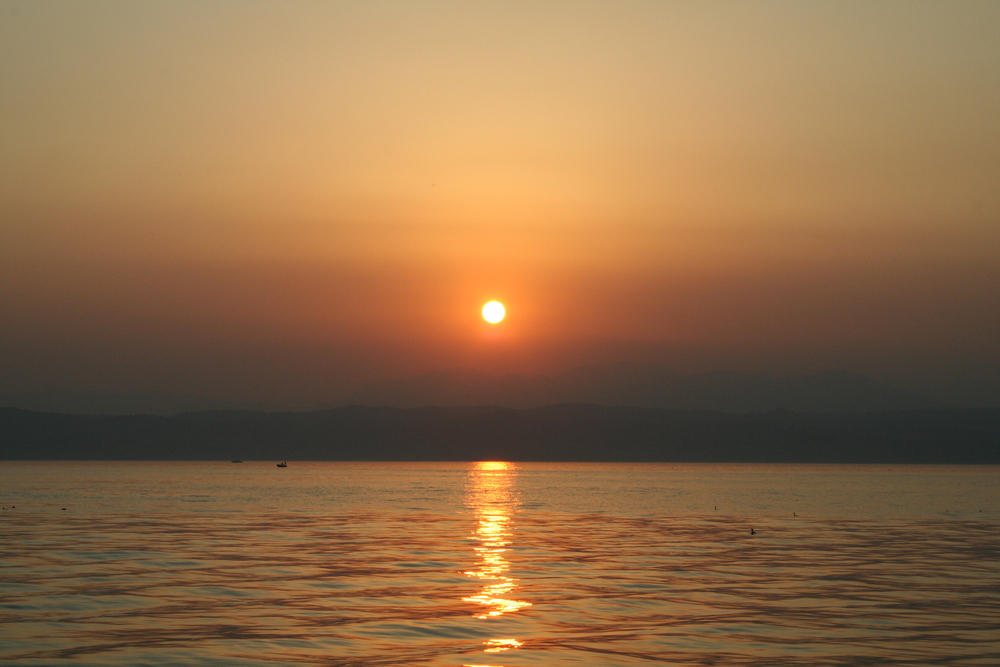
(282, 465)
(236, 461)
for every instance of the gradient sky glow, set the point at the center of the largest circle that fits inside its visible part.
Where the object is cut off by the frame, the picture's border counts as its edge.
(278, 201)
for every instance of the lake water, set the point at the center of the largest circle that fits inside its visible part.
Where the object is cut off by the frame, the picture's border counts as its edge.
(498, 564)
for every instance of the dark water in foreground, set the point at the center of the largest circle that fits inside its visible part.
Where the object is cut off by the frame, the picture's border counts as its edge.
(498, 564)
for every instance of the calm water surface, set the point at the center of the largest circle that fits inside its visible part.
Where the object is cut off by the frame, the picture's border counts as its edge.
(498, 564)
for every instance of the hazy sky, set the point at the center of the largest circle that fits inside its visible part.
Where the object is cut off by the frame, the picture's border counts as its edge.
(280, 200)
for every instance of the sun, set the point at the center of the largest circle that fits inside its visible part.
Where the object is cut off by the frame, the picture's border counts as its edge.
(494, 312)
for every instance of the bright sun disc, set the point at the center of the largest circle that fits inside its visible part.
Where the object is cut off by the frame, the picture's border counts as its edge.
(493, 312)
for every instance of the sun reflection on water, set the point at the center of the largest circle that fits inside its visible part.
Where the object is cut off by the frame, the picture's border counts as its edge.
(492, 497)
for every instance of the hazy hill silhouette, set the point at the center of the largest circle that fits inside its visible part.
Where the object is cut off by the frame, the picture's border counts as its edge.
(552, 433)
(648, 387)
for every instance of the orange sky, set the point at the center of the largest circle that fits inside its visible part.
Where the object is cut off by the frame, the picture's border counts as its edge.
(281, 200)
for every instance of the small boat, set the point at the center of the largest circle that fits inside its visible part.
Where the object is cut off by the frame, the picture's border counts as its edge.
(282, 465)
(236, 461)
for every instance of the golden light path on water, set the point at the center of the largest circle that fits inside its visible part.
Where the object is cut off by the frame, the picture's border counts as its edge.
(491, 495)
(363, 564)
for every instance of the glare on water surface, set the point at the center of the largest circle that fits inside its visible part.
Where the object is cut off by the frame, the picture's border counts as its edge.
(491, 495)
(371, 564)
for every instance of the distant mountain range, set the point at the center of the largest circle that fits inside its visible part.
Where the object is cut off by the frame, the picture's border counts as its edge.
(623, 384)
(647, 387)
(573, 432)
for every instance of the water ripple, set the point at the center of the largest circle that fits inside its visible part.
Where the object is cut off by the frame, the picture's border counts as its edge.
(492, 583)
